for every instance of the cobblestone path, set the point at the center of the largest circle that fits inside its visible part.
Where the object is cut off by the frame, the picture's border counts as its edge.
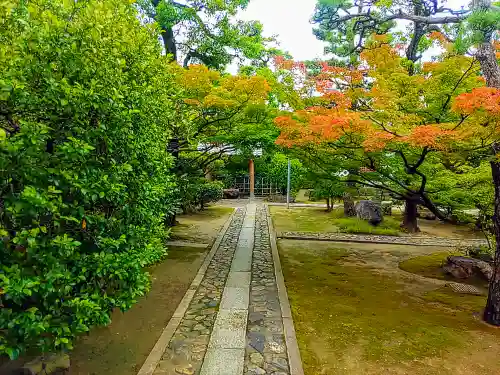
(186, 350)
(266, 349)
(399, 240)
(234, 324)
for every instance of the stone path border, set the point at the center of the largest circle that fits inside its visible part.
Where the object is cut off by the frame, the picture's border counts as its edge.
(156, 353)
(389, 240)
(301, 205)
(294, 359)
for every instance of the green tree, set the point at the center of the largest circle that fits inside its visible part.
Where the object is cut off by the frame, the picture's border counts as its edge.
(84, 182)
(474, 26)
(206, 31)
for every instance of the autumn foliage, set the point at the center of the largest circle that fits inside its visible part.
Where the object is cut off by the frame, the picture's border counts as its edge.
(380, 105)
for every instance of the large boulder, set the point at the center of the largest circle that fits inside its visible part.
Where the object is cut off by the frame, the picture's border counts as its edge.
(425, 213)
(231, 193)
(464, 267)
(369, 211)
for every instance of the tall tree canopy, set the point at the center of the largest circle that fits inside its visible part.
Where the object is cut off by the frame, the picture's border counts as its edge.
(347, 25)
(206, 31)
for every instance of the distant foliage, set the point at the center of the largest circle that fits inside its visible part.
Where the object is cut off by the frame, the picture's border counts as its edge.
(84, 172)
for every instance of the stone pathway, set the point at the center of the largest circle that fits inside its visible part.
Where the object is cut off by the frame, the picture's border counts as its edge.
(234, 323)
(186, 350)
(266, 349)
(402, 240)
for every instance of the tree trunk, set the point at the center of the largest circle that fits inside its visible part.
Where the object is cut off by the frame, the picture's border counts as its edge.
(410, 222)
(492, 310)
(169, 42)
(491, 71)
(348, 205)
(328, 206)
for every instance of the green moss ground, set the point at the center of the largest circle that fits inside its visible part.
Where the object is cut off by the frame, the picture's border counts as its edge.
(318, 220)
(353, 317)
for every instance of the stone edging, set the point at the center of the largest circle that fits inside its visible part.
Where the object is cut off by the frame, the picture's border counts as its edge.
(156, 353)
(294, 359)
(381, 239)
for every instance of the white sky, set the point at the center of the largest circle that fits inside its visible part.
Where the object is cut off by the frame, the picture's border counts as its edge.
(289, 21)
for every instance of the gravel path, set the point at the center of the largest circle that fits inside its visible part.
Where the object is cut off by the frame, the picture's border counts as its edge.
(234, 323)
(266, 349)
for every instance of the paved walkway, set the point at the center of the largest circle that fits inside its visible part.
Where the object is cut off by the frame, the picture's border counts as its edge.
(235, 319)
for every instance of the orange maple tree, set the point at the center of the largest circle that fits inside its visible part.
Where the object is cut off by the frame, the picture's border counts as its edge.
(380, 114)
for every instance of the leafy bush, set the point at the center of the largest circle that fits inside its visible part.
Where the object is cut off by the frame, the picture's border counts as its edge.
(355, 225)
(277, 171)
(84, 181)
(194, 193)
(211, 192)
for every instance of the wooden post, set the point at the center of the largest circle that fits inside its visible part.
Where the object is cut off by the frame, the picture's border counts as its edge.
(252, 178)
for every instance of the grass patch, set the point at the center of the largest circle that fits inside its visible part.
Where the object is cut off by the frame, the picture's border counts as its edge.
(318, 220)
(431, 266)
(356, 319)
(427, 265)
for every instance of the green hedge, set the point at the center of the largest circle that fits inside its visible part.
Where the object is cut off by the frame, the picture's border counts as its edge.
(84, 172)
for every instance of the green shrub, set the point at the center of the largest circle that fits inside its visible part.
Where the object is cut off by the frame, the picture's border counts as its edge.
(211, 191)
(355, 225)
(84, 181)
(194, 193)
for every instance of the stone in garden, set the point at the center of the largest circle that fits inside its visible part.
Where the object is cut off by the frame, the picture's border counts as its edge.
(463, 267)
(257, 359)
(231, 193)
(425, 213)
(256, 341)
(255, 370)
(185, 370)
(369, 211)
(50, 364)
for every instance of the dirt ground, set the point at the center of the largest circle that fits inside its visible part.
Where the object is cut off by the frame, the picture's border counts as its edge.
(201, 226)
(356, 312)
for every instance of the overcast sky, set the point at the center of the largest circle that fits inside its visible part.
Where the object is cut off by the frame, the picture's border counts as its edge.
(289, 20)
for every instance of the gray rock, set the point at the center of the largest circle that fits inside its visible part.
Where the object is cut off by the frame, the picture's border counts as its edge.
(231, 193)
(256, 341)
(257, 359)
(50, 364)
(255, 370)
(369, 211)
(463, 267)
